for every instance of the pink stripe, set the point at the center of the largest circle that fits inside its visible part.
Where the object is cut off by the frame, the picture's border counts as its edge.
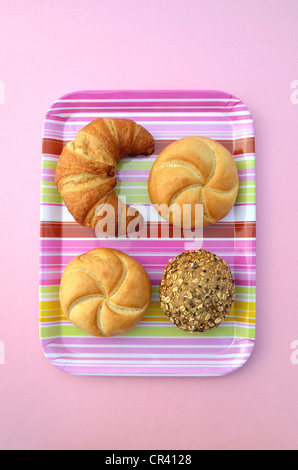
(50, 204)
(189, 361)
(57, 262)
(121, 178)
(158, 245)
(228, 117)
(47, 280)
(195, 370)
(63, 259)
(153, 352)
(122, 340)
(204, 128)
(71, 108)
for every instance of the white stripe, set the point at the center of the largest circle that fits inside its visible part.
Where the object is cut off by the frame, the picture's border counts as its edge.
(216, 135)
(130, 374)
(209, 239)
(150, 158)
(228, 122)
(224, 106)
(50, 213)
(152, 114)
(146, 356)
(67, 361)
(160, 134)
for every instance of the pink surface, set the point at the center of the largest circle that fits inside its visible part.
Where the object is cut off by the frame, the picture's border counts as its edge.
(51, 48)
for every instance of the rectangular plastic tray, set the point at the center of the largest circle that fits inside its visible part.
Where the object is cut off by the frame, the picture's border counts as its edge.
(155, 347)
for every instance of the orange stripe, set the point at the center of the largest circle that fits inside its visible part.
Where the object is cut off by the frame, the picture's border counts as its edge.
(218, 230)
(236, 147)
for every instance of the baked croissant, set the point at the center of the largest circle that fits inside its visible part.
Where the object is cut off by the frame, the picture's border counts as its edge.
(86, 171)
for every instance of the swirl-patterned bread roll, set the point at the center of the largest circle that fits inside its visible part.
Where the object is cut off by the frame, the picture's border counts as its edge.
(85, 173)
(192, 171)
(105, 292)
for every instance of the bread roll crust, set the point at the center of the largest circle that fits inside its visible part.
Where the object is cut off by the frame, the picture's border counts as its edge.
(194, 170)
(104, 292)
(86, 169)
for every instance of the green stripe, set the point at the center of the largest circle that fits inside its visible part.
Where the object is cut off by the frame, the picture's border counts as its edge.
(152, 331)
(143, 199)
(49, 191)
(138, 197)
(244, 191)
(246, 164)
(139, 185)
(48, 183)
(247, 183)
(144, 165)
(135, 165)
(49, 289)
(51, 199)
(250, 290)
(48, 165)
(155, 289)
(245, 199)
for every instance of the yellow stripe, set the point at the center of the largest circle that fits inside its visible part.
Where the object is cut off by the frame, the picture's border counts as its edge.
(243, 312)
(238, 305)
(52, 319)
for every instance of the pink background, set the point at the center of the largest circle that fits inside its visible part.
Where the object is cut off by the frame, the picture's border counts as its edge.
(248, 48)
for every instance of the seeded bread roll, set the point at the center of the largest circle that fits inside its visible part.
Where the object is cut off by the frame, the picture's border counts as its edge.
(193, 171)
(197, 291)
(104, 292)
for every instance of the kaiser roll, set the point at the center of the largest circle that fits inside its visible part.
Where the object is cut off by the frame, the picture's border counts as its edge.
(191, 171)
(104, 292)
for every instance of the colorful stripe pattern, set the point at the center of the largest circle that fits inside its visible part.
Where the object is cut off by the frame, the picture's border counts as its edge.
(155, 347)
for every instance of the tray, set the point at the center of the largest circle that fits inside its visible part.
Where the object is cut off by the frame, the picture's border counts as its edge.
(155, 347)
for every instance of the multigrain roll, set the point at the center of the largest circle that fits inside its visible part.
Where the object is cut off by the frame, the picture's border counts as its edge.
(189, 172)
(104, 292)
(197, 291)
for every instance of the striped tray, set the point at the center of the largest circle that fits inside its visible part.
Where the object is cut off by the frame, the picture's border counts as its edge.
(155, 347)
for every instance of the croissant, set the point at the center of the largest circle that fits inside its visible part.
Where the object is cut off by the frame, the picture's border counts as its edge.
(86, 171)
